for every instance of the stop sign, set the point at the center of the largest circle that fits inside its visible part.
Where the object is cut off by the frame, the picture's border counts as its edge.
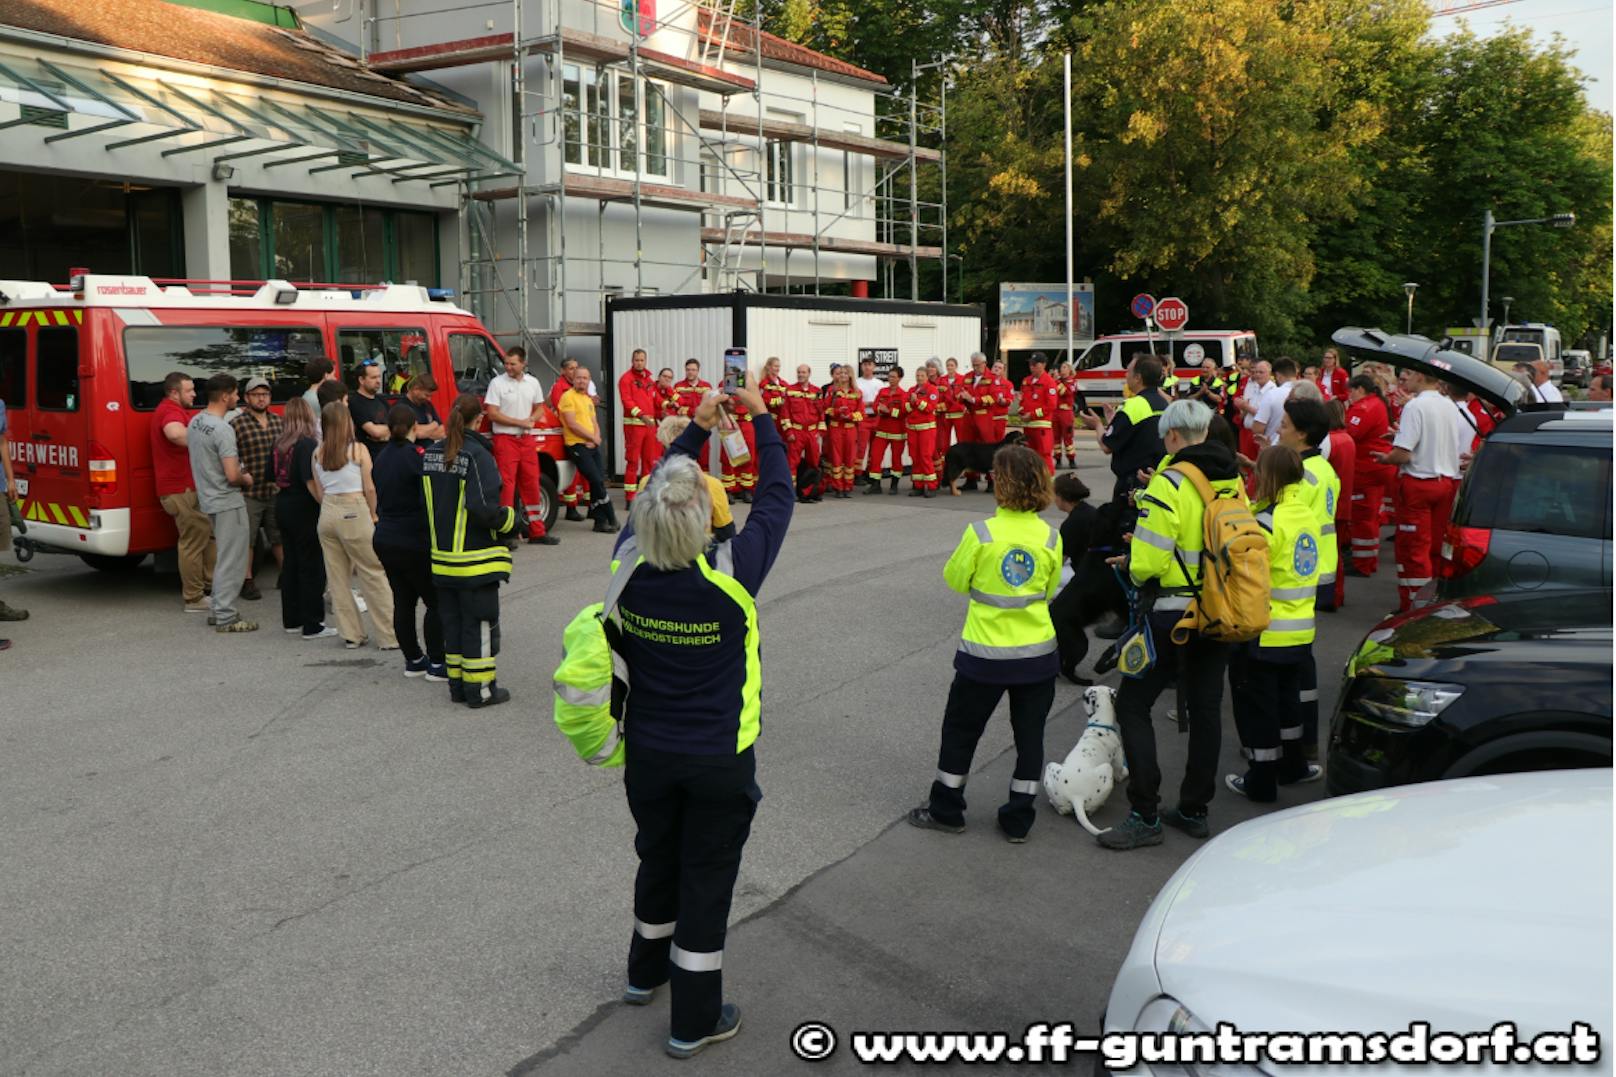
(1172, 314)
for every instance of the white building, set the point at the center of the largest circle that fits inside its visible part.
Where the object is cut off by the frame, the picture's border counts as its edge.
(675, 151)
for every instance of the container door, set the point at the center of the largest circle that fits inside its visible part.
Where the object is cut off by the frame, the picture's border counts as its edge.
(55, 458)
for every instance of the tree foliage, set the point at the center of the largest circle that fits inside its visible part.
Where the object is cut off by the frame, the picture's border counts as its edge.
(1283, 166)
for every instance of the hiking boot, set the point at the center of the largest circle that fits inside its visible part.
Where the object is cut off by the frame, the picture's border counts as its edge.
(12, 613)
(873, 486)
(917, 492)
(893, 489)
(729, 1023)
(922, 818)
(543, 540)
(457, 690)
(929, 492)
(1193, 825)
(250, 591)
(489, 695)
(573, 515)
(1134, 833)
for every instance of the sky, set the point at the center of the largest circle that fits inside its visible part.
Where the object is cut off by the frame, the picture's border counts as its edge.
(1585, 24)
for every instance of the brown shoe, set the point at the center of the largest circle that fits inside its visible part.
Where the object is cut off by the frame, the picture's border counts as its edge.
(12, 613)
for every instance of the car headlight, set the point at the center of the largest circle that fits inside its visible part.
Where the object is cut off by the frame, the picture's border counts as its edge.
(1166, 1015)
(1405, 703)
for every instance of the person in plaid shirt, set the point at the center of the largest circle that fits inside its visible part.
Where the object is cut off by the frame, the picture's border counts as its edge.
(256, 430)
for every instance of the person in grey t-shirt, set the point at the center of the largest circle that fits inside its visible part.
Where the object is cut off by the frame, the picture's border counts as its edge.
(216, 468)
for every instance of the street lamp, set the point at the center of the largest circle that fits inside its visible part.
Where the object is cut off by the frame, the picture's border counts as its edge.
(1488, 223)
(1506, 300)
(1409, 288)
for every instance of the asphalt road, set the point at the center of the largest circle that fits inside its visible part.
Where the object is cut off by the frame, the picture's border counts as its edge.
(254, 855)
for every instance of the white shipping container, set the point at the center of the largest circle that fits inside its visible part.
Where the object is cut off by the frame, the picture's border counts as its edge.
(817, 330)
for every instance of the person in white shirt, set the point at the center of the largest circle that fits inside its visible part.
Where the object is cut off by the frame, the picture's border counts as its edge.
(512, 403)
(1261, 381)
(1547, 391)
(1271, 408)
(868, 386)
(1426, 455)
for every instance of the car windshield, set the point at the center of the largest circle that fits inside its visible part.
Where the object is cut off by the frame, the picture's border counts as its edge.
(1539, 489)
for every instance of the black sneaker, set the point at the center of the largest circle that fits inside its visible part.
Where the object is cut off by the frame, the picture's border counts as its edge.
(638, 996)
(1193, 825)
(729, 1023)
(922, 818)
(1132, 834)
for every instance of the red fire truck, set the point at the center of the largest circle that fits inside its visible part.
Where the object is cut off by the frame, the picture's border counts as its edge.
(82, 368)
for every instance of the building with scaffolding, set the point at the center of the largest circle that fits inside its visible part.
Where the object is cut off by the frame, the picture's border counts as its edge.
(662, 150)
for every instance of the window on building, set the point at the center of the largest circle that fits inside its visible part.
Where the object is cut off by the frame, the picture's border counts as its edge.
(612, 124)
(308, 241)
(277, 354)
(779, 182)
(50, 223)
(853, 176)
(56, 371)
(712, 173)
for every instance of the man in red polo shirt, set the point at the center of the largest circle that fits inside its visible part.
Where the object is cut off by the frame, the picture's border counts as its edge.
(176, 490)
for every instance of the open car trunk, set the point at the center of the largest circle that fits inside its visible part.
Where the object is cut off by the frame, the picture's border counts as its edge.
(1429, 357)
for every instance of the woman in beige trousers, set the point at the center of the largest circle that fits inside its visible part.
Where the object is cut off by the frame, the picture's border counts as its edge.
(347, 497)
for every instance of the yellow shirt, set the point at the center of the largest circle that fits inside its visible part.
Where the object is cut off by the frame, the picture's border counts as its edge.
(582, 409)
(722, 517)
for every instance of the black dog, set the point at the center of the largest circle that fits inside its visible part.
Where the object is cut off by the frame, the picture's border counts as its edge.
(1094, 592)
(810, 483)
(973, 456)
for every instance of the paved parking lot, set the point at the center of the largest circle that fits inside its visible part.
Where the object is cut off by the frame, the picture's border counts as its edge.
(256, 855)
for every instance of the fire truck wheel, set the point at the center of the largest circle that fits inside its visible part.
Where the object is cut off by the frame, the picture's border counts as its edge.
(108, 563)
(549, 501)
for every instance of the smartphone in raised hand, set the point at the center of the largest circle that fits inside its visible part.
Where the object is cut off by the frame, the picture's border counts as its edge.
(734, 369)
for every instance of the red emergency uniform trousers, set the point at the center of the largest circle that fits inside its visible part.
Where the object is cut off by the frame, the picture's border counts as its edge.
(866, 435)
(844, 458)
(800, 445)
(923, 456)
(1065, 437)
(517, 458)
(741, 479)
(1041, 440)
(886, 441)
(1368, 499)
(1423, 509)
(641, 452)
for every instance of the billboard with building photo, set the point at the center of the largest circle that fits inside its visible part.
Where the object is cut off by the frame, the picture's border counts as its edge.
(1034, 316)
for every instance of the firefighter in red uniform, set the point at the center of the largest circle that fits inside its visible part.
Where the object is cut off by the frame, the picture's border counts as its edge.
(642, 409)
(804, 412)
(1066, 398)
(1368, 424)
(772, 388)
(921, 409)
(1003, 393)
(844, 413)
(689, 394)
(578, 487)
(824, 412)
(664, 397)
(1039, 397)
(948, 430)
(890, 408)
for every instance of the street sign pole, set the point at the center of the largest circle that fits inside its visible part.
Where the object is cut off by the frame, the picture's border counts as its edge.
(1070, 312)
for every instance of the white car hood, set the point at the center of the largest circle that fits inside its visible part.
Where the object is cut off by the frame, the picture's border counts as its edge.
(1462, 903)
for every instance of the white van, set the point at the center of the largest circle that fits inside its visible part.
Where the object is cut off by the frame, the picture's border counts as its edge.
(1546, 337)
(1103, 368)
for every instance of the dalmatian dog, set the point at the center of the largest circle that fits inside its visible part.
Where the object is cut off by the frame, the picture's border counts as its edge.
(1095, 764)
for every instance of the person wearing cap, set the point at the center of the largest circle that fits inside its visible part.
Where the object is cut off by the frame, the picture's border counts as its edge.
(1038, 403)
(256, 429)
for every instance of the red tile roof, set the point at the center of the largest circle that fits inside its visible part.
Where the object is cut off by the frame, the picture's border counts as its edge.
(777, 48)
(206, 37)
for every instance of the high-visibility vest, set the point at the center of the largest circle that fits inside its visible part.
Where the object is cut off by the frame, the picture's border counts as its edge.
(1169, 536)
(1138, 409)
(1295, 554)
(1323, 493)
(1010, 566)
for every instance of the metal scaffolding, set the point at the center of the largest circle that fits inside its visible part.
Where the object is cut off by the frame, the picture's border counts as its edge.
(742, 174)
